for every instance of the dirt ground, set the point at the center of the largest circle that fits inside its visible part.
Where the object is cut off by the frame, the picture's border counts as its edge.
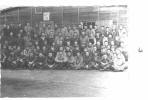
(62, 83)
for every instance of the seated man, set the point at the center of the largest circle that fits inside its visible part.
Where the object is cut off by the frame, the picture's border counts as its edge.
(31, 61)
(105, 62)
(83, 40)
(97, 60)
(78, 64)
(40, 60)
(70, 60)
(3, 58)
(50, 60)
(119, 63)
(87, 60)
(60, 59)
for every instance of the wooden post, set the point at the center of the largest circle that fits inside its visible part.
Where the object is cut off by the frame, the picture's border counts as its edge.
(99, 15)
(62, 15)
(78, 16)
(18, 16)
(31, 16)
(5, 18)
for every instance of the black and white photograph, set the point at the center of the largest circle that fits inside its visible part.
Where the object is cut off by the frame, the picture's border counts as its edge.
(65, 50)
(62, 51)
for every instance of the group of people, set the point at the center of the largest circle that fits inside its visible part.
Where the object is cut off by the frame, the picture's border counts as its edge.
(68, 47)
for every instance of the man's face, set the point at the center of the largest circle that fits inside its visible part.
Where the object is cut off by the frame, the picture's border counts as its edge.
(19, 25)
(85, 27)
(50, 54)
(36, 43)
(90, 26)
(83, 33)
(107, 29)
(95, 27)
(80, 26)
(45, 42)
(69, 54)
(78, 54)
(105, 56)
(61, 48)
(11, 33)
(38, 47)
(97, 35)
(55, 26)
(76, 42)
(110, 36)
(90, 44)
(98, 43)
(112, 43)
(18, 48)
(87, 53)
(95, 48)
(44, 48)
(28, 24)
(68, 43)
(106, 43)
(19, 35)
(21, 31)
(102, 27)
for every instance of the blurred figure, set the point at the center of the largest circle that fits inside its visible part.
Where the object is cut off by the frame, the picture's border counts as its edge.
(78, 64)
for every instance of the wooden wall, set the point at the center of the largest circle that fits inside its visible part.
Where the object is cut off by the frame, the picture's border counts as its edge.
(66, 15)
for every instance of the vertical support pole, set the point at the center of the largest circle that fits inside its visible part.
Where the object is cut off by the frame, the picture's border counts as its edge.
(31, 16)
(99, 15)
(5, 18)
(62, 15)
(118, 17)
(78, 16)
(18, 16)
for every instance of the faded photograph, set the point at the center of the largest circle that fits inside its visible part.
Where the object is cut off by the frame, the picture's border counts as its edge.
(63, 51)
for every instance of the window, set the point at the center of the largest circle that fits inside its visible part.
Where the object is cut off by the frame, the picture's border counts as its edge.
(38, 10)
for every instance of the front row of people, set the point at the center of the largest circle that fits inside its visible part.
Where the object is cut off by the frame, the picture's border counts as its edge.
(114, 61)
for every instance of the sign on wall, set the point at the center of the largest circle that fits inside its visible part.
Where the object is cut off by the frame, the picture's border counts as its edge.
(46, 16)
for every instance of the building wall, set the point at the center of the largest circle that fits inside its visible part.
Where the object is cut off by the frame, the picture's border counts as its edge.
(67, 15)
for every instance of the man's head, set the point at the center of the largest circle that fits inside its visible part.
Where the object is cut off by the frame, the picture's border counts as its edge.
(61, 48)
(102, 27)
(68, 43)
(112, 43)
(78, 53)
(50, 54)
(87, 53)
(98, 43)
(85, 27)
(69, 53)
(106, 43)
(110, 36)
(18, 48)
(11, 33)
(83, 33)
(107, 29)
(89, 44)
(38, 48)
(44, 48)
(105, 56)
(75, 43)
(28, 24)
(90, 26)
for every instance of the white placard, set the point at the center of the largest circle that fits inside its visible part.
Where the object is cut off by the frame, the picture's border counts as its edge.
(46, 16)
